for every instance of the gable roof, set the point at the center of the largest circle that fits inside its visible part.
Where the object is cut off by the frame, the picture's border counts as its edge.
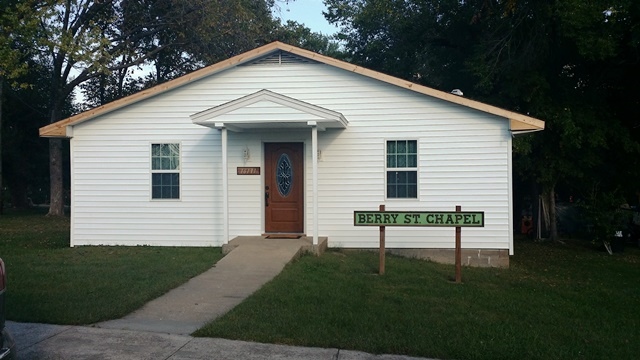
(238, 113)
(518, 122)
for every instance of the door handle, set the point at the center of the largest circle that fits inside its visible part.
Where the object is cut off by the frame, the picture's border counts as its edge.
(266, 196)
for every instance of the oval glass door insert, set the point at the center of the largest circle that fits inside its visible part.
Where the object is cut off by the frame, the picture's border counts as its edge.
(284, 175)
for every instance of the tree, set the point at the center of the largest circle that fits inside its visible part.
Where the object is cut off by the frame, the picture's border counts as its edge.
(25, 155)
(570, 62)
(18, 21)
(182, 37)
(83, 40)
(299, 35)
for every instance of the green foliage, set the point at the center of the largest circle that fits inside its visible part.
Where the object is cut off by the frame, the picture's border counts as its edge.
(574, 64)
(555, 302)
(83, 40)
(603, 213)
(170, 38)
(19, 21)
(299, 35)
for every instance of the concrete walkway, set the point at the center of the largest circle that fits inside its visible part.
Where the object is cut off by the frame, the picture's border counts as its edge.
(252, 262)
(157, 330)
(56, 342)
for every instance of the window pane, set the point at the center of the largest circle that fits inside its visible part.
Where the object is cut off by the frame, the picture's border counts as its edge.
(174, 149)
(401, 177)
(391, 161)
(402, 147)
(155, 149)
(402, 191)
(165, 163)
(391, 191)
(165, 186)
(402, 160)
(166, 192)
(412, 161)
(391, 184)
(402, 153)
(391, 147)
(412, 147)
(165, 156)
(164, 150)
(167, 179)
(402, 184)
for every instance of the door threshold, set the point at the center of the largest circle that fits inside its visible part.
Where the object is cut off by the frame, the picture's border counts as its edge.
(283, 236)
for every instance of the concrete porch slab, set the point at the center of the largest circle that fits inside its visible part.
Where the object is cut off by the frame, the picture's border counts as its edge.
(305, 242)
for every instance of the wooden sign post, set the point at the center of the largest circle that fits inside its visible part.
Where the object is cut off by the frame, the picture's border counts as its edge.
(458, 250)
(457, 219)
(382, 239)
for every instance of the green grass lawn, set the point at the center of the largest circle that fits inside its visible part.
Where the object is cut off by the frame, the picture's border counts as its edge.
(50, 282)
(555, 302)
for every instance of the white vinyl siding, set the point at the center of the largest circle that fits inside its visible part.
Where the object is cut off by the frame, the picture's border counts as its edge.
(111, 185)
(463, 159)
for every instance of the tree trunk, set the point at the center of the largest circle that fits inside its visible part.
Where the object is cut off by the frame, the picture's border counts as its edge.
(56, 203)
(56, 195)
(553, 225)
(1, 191)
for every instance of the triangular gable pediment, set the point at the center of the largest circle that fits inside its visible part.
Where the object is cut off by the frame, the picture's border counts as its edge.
(267, 109)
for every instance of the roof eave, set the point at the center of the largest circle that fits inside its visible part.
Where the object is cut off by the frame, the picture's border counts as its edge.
(517, 121)
(58, 129)
(523, 120)
(526, 124)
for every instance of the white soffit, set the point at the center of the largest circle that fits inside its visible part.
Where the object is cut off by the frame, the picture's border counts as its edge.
(266, 109)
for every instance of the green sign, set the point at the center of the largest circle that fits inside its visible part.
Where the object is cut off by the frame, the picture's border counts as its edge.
(419, 218)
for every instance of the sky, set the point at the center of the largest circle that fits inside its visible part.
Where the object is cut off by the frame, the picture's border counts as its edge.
(307, 12)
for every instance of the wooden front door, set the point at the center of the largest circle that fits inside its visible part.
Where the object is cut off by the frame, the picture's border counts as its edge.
(284, 195)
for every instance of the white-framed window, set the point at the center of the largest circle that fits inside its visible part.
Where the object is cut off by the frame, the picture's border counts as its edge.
(402, 169)
(165, 171)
